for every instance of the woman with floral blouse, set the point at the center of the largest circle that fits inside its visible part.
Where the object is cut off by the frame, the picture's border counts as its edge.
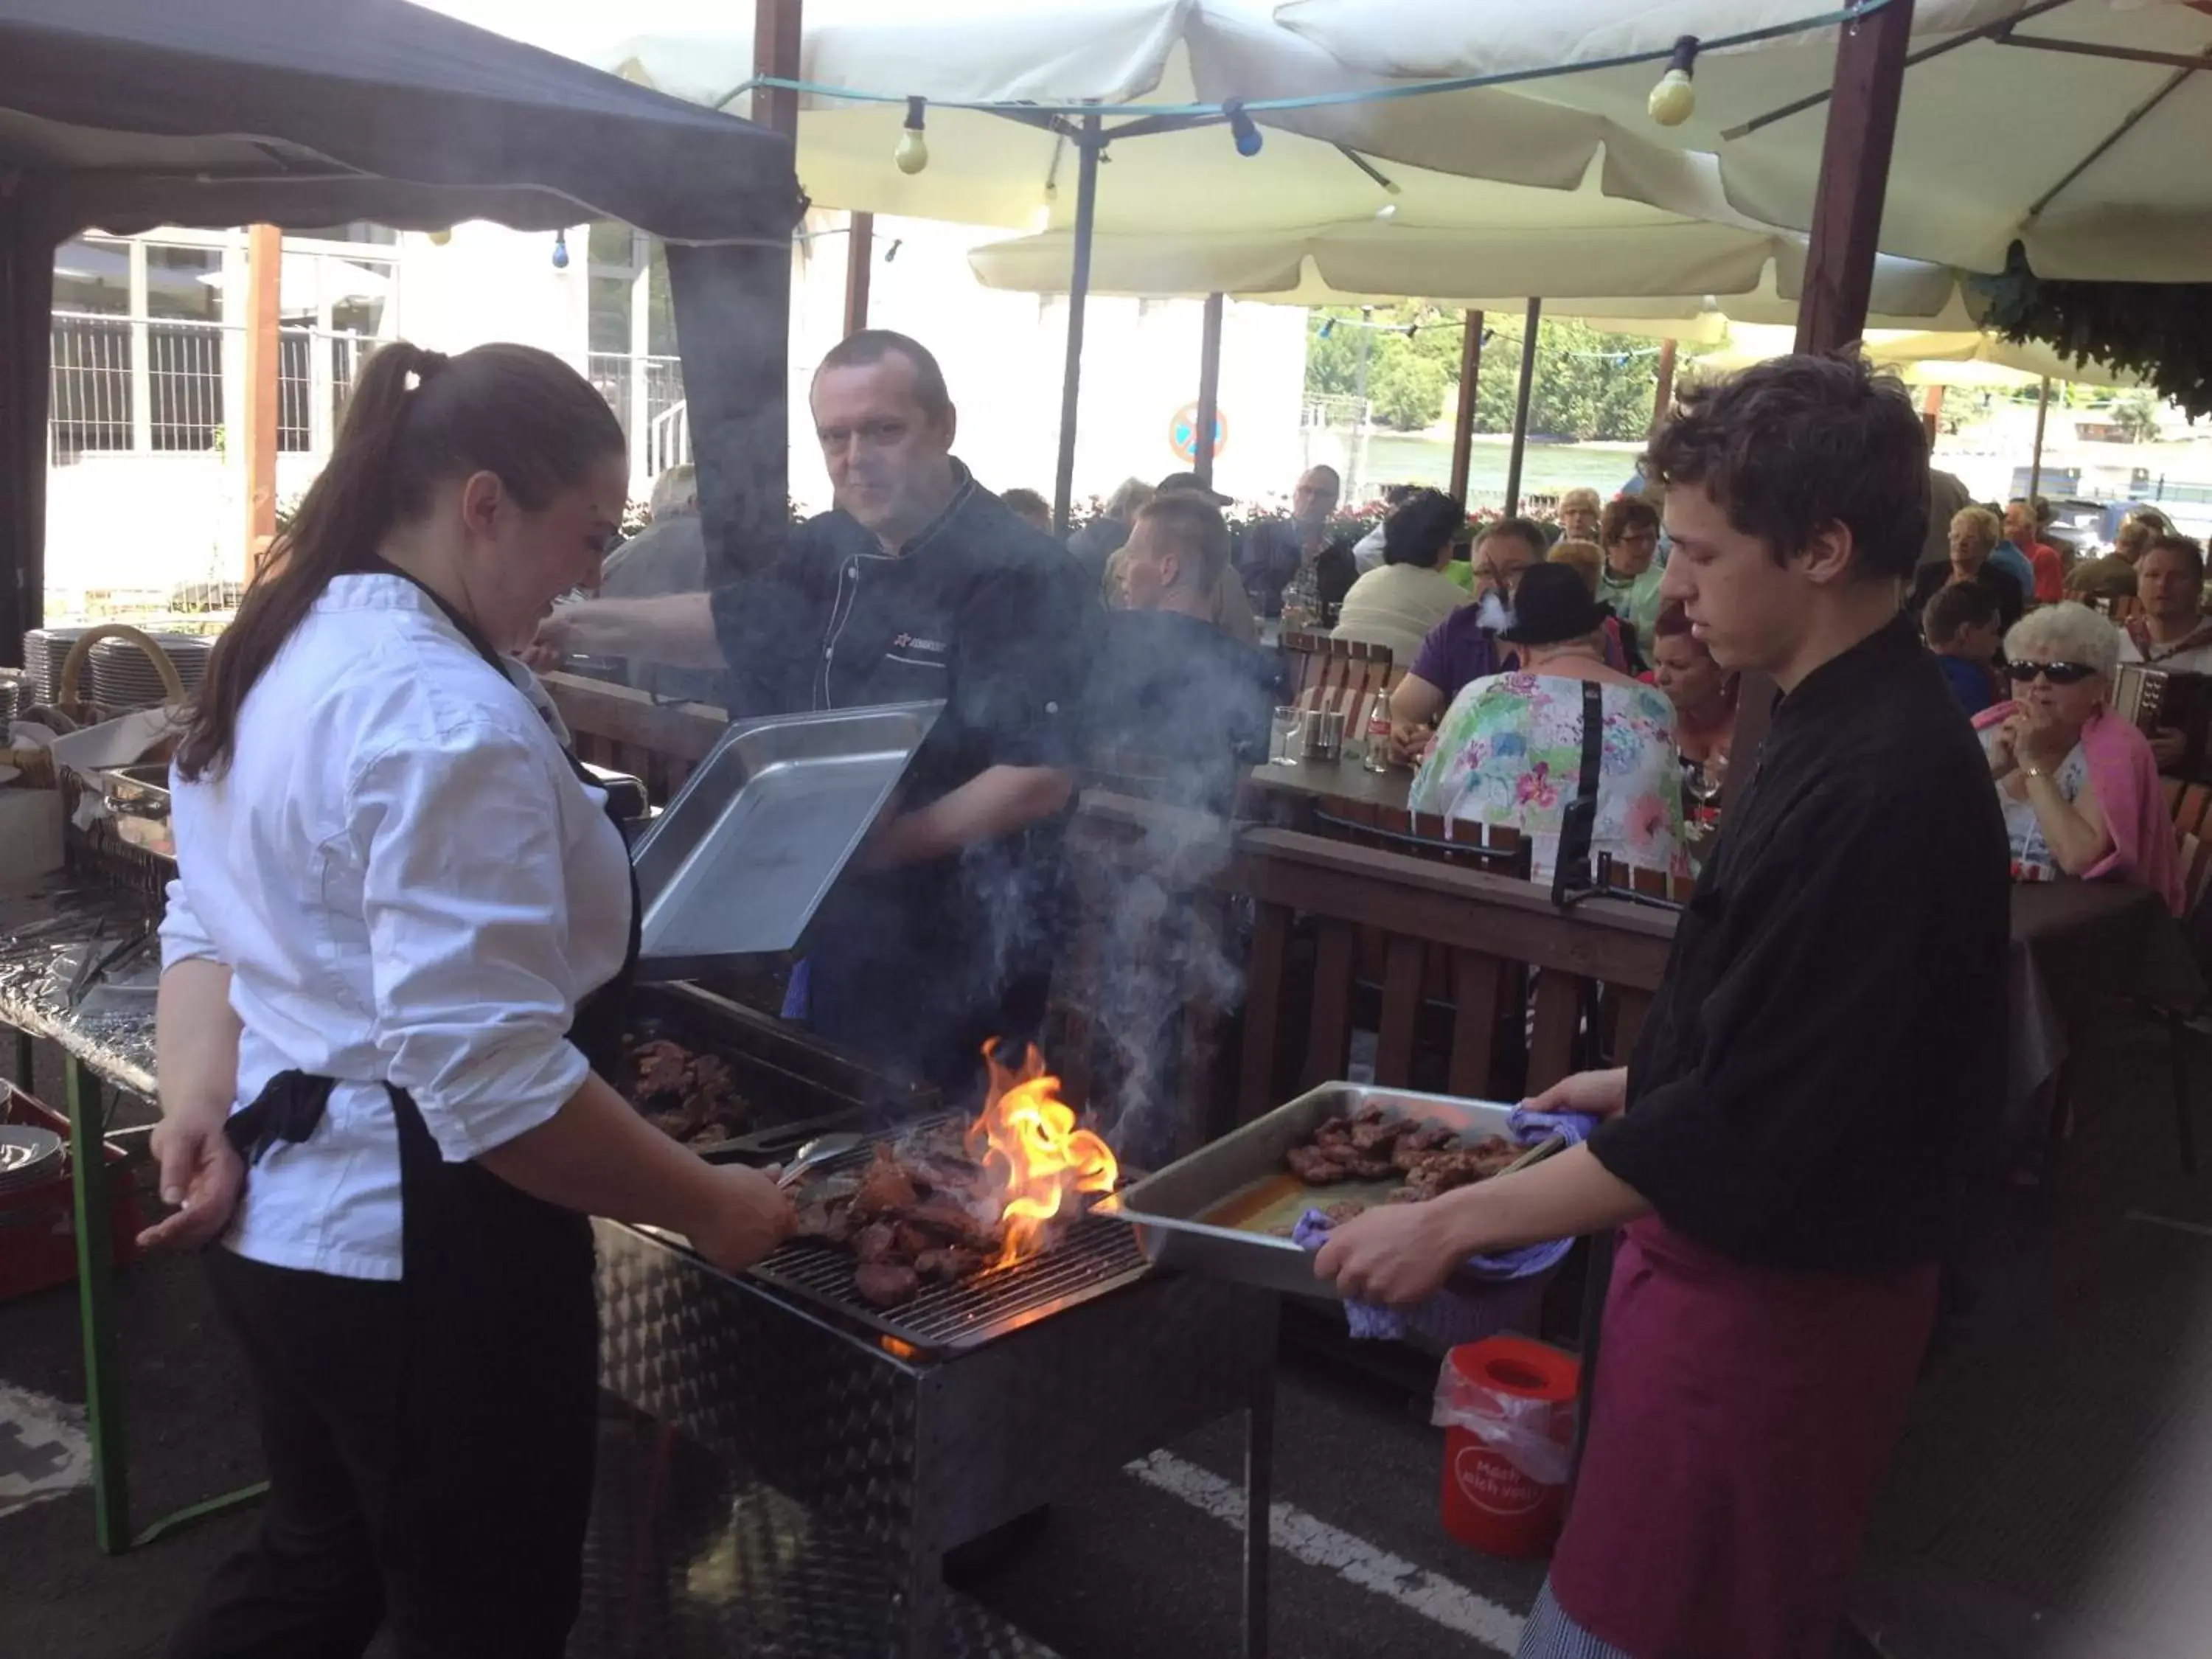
(1509, 752)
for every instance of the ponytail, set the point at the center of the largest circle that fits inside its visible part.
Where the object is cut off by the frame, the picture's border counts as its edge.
(514, 411)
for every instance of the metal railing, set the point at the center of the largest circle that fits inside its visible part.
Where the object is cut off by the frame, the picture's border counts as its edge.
(651, 386)
(123, 385)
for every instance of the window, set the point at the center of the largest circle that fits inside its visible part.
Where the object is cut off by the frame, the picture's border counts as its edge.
(631, 343)
(148, 337)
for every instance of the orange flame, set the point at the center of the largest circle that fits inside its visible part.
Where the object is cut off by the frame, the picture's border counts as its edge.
(1034, 1155)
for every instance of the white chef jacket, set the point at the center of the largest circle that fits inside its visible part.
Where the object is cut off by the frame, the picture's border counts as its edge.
(408, 882)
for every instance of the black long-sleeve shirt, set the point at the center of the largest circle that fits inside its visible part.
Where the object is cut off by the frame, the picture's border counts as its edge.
(1832, 1027)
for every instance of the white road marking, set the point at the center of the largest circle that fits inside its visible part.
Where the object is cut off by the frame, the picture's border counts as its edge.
(43, 1451)
(1306, 1538)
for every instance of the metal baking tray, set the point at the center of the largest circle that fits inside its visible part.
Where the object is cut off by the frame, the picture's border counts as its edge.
(799, 1087)
(1212, 1213)
(754, 841)
(138, 799)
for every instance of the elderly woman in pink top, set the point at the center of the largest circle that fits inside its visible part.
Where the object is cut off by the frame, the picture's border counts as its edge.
(2078, 784)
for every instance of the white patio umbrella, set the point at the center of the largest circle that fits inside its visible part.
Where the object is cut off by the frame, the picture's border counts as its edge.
(2017, 120)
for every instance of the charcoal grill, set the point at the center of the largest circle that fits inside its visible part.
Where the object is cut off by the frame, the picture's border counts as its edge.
(1092, 1257)
(854, 1447)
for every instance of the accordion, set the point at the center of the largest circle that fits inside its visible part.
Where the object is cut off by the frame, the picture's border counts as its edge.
(2157, 700)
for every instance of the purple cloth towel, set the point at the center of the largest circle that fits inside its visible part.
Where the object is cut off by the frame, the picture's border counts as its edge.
(796, 999)
(1465, 1311)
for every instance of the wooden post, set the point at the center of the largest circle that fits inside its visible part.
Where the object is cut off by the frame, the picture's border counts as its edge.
(1529, 326)
(261, 406)
(859, 268)
(1470, 378)
(1662, 396)
(2035, 462)
(776, 25)
(1078, 293)
(1931, 412)
(1209, 392)
(1854, 178)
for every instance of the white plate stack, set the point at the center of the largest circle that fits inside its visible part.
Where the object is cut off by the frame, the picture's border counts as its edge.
(45, 651)
(122, 677)
(28, 1155)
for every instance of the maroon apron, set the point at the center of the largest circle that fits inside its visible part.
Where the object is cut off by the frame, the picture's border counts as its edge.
(1742, 1421)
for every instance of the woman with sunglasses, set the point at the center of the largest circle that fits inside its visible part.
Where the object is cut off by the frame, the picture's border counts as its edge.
(2078, 784)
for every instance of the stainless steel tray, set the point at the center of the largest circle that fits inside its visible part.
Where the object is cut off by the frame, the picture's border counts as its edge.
(752, 843)
(1210, 1212)
(138, 799)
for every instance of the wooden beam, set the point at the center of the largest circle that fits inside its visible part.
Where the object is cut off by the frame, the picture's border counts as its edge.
(2035, 462)
(1663, 395)
(777, 26)
(1209, 391)
(1470, 379)
(1931, 412)
(1529, 326)
(262, 409)
(1854, 178)
(859, 268)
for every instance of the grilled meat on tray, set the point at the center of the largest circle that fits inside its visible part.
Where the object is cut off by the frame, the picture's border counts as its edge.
(1372, 1146)
(688, 1097)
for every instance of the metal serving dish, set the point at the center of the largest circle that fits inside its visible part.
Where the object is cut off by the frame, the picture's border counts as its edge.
(799, 1087)
(752, 843)
(1210, 1212)
(138, 799)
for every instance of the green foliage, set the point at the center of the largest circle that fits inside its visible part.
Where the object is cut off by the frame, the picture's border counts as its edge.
(2159, 330)
(1588, 384)
(2135, 413)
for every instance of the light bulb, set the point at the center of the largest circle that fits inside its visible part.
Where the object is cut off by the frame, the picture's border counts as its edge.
(440, 238)
(1674, 99)
(912, 155)
(1387, 212)
(560, 249)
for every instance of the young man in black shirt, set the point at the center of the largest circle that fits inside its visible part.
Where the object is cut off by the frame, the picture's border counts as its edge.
(1170, 685)
(1782, 1148)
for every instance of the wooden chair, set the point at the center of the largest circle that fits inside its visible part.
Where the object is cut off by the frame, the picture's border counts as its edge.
(2191, 807)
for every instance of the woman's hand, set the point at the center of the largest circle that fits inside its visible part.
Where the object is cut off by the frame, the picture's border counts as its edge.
(202, 1174)
(2041, 745)
(1398, 1254)
(1596, 1094)
(2004, 752)
(748, 1218)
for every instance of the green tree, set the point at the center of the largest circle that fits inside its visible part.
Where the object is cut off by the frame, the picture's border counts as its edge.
(2135, 413)
(1588, 384)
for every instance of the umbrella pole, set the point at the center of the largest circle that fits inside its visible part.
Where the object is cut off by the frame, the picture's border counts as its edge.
(1470, 377)
(265, 254)
(860, 267)
(1529, 329)
(1209, 391)
(1078, 292)
(2035, 461)
(1854, 152)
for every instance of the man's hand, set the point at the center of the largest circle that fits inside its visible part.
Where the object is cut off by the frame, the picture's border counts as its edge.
(1398, 1254)
(201, 1174)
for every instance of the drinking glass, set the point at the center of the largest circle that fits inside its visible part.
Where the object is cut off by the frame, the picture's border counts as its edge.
(1289, 727)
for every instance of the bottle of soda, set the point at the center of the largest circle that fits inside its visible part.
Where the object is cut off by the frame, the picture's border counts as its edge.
(1377, 754)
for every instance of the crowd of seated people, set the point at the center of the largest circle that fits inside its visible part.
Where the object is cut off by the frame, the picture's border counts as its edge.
(1964, 630)
(1975, 533)
(2113, 576)
(1628, 584)
(1587, 559)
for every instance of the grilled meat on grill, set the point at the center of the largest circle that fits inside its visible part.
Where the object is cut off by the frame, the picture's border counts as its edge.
(885, 1284)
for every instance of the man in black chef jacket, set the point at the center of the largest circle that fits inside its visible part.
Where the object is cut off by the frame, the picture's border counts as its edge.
(920, 586)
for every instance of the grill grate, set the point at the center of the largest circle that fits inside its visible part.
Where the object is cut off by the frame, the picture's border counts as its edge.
(1096, 1255)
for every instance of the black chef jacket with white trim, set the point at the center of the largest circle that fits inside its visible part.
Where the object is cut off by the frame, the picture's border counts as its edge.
(994, 618)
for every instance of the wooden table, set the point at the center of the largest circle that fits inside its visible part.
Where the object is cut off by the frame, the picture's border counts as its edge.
(1277, 792)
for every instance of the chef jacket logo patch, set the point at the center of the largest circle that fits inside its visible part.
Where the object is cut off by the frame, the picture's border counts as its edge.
(912, 642)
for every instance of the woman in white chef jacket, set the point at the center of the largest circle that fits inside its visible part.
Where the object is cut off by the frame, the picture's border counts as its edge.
(392, 959)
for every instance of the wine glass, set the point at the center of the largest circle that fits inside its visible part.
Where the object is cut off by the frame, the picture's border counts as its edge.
(1289, 735)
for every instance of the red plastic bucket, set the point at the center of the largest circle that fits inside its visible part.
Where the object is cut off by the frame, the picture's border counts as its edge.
(1489, 1503)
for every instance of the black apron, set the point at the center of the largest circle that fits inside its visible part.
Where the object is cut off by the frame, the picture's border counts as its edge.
(501, 1378)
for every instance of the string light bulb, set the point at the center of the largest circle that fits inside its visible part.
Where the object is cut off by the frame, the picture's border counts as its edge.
(1327, 326)
(1674, 99)
(560, 249)
(1387, 212)
(440, 238)
(912, 155)
(1242, 128)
